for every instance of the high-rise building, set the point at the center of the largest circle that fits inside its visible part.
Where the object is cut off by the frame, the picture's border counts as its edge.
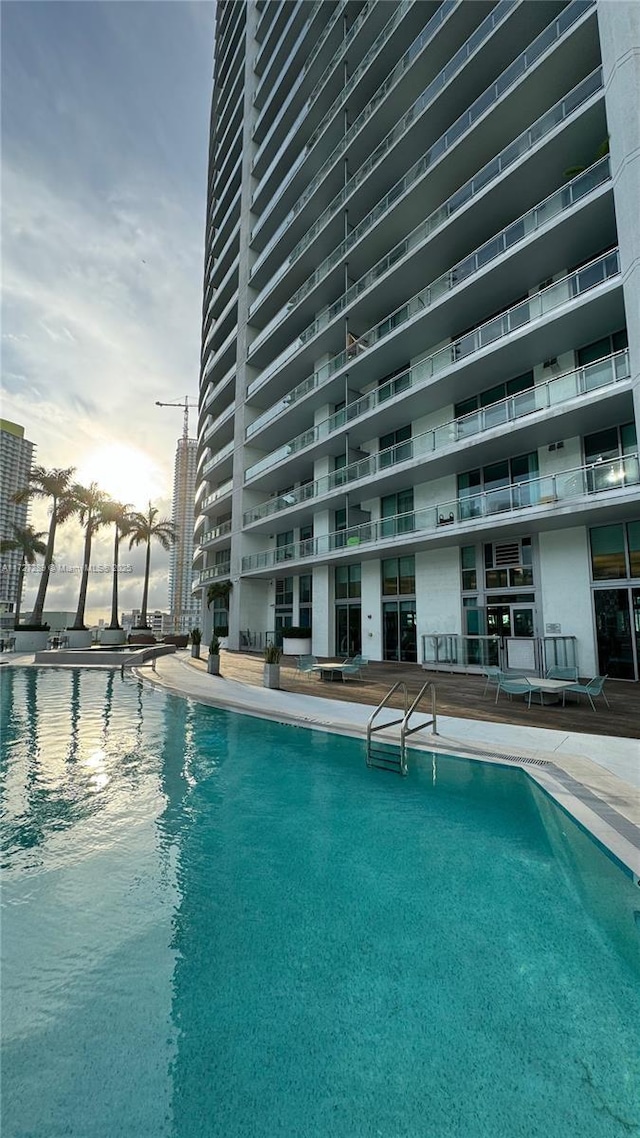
(183, 607)
(420, 376)
(16, 455)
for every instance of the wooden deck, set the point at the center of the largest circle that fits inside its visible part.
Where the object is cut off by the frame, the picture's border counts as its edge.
(457, 695)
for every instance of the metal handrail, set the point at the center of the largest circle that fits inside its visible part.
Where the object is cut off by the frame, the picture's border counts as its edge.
(371, 729)
(405, 730)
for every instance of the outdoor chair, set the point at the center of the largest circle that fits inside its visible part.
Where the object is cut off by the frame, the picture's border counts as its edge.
(305, 665)
(592, 688)
(354, 666)
(515, 685)
(562, 673)
(492, 675)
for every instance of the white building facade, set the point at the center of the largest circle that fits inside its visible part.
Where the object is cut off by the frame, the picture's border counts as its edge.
(420, 379)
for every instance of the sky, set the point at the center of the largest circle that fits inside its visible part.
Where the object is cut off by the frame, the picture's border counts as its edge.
(104, 138)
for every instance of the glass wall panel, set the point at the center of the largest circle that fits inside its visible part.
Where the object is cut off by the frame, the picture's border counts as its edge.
(607, 553)
(613, 632)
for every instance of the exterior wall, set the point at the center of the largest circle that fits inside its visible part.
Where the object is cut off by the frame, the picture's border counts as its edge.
(490, 262)
(16, 454)
(566, 590)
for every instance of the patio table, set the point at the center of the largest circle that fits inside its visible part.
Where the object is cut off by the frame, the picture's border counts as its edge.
(330, 671)
(552, 688)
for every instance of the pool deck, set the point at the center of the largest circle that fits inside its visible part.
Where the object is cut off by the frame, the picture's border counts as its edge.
(594, 776)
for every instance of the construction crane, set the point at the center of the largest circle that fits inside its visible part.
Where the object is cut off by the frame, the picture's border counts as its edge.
(181, 403)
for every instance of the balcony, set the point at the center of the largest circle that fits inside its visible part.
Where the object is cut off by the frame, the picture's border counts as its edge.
(220, 456)
(509, 79)
(487, 176)
(213, 573)
(209, 536)
(556, 393)
(511, 237)
(514, 319)
(222, 491)
(557, 493)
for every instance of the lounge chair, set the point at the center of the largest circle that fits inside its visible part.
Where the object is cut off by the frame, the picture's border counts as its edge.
(515, 685)
(592, 688)
(492, 675)
(562, 673)
(305, 665)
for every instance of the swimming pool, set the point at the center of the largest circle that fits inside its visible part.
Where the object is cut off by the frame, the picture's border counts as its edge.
(215, 925)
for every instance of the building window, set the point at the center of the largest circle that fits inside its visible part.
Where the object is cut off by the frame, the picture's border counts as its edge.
(615, 552)
(612, 456)
(398, 576)
(468, 567)
(347, 582)
(490, 409)
(284, 603)
(339, 473)
(305, 592)
(284, 545)
(395, 447)
(617, 342)
(396, 512)
(500, 486)
(306, 540)
(508, 565)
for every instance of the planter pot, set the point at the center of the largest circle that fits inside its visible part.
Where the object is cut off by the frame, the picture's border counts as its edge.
(78, 638)
(31, 641)
(271, 676)
(213, 665)
(113, 636)
(195, 651)
(296, 646)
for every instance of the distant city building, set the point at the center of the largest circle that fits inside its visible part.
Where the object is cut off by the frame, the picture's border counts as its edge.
(16, 455)
(158, 622)
(183, 607)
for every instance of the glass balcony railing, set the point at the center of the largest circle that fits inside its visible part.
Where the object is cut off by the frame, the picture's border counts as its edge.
(211, 534)
(582, 482)
(583, 381)
(214, 572)
(428, 32)
(479, 107)
(535, 307)
(518, 231)
(220, 492)
(219, 456)
(489, 173)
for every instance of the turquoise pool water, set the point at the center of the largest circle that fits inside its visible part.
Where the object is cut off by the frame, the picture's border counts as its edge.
(214, 925)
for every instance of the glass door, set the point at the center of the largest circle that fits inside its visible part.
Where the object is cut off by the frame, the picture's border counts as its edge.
(613, 632)
(348, 630)
(400, 640)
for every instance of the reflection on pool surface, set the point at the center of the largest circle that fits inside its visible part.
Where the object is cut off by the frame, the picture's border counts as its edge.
(215, 925)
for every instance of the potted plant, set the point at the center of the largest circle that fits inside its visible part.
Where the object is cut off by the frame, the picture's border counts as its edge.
(271, 674)
(196, 638)
(296, 641)
(213, 663)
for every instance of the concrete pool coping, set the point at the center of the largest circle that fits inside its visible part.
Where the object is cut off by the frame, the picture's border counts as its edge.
(600, 791)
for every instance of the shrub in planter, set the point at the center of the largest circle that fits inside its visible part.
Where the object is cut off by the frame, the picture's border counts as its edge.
(213, 663)
(196, 638)
(271, 674)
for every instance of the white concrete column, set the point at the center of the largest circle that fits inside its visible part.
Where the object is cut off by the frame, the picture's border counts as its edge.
(565, 590)
(322, 620)
(371, 600)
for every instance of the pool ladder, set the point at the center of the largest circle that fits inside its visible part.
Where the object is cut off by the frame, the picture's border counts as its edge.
(389, 756)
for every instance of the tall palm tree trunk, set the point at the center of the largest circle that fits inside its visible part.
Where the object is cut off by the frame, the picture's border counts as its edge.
(115, 624)
(19, 588)
(145, 591)
(38, 608)
(78, 623)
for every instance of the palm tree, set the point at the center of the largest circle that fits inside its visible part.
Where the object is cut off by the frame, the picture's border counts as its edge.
(144, 528)
(121, 517)
(53, 484)
(88, 502)
(31, 546)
